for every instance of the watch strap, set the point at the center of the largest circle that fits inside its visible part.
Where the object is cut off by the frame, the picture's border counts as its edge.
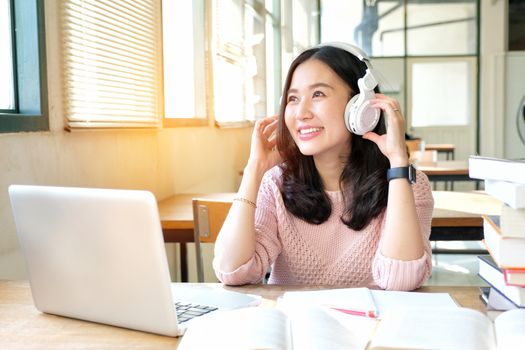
(406, 172)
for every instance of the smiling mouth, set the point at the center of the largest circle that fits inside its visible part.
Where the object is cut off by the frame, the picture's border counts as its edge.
(309, 131)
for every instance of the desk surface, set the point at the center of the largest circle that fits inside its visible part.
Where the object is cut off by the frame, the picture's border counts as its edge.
(22, 326)
(462, 209)
(445, 167)
(440, 147)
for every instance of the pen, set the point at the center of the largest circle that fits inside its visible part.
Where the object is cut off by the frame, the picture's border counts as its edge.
(369, 313)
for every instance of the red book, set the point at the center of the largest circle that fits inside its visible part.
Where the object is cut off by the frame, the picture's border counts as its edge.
(514, 277)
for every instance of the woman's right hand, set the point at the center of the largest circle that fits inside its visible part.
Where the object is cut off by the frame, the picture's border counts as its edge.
(263, 151)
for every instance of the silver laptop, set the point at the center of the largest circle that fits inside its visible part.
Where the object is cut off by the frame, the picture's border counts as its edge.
(99, 255)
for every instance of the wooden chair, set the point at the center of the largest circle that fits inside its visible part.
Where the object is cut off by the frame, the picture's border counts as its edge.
(414, 145)
(208, 217)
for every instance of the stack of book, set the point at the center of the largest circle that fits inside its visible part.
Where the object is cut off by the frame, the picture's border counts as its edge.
(504, 235)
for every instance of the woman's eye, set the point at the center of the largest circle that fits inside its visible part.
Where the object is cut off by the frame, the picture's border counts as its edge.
(292, 98)
(318, 94)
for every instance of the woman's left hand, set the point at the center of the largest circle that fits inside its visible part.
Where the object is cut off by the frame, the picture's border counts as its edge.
(392, 144)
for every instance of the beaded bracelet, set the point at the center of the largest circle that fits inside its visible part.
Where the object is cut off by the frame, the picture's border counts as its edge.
(247, 201)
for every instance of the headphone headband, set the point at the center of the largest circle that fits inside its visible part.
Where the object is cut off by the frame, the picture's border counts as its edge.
(354, 50)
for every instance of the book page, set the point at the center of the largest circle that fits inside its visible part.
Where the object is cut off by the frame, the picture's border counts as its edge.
(386, 300)
(358, 300)
(510, 329)
(315, 327)
(434, 328)
(247, 328)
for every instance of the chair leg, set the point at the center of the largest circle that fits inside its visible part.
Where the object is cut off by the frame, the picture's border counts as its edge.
(198, 258)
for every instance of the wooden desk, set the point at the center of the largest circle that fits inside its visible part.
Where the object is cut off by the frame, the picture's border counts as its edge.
(22, 326)
(457, 215)
(446, 170)
(446, 148)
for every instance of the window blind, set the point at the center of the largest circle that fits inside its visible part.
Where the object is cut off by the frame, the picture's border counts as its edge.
(112, 60)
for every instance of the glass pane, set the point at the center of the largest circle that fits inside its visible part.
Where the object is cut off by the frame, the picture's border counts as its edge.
(273, 82)
(441, 93)
(7, 95)
(228, 92)
(446, 28)
(516, 25)
(391, 76)
(184, 79)
(239, 68)
(375, 26)
(255, 56)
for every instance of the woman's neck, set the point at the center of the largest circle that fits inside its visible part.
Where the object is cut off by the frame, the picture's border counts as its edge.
(330, 171)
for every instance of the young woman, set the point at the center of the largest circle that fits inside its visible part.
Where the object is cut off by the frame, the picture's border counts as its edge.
(314, 204)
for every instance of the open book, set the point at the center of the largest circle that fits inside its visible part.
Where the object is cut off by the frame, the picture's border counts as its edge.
(305, 320)
(318, 328)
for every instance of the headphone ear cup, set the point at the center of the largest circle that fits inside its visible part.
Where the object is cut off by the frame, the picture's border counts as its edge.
(350, 113)
(359, 116)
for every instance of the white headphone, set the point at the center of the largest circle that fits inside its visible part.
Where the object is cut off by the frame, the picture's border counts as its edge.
(359, 116)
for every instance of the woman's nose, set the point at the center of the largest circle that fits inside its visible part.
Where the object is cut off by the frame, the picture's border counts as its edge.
(304, 111)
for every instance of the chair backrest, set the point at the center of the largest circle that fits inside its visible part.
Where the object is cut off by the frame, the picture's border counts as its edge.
(414, 145)
(208, 217)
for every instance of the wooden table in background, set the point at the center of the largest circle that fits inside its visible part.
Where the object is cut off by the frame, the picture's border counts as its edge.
(446, 148)
(22, 326)
(456, 217)
(447, 170)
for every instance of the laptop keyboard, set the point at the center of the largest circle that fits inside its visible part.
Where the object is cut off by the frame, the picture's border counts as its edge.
(187, 311)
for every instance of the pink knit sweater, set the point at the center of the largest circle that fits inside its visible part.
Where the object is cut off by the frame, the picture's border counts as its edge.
(329, 253)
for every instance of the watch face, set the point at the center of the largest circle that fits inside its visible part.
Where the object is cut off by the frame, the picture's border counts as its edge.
(411, 174)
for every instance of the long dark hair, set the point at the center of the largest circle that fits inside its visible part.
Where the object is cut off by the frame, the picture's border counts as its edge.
(363, 180)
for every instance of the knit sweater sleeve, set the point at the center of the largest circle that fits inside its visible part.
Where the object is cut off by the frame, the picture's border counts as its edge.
(395, 274)
(267, 243)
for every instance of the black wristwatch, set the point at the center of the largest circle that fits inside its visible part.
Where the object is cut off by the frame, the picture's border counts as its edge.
(405, 172)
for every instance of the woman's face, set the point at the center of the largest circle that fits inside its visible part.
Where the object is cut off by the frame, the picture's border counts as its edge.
(315, 105)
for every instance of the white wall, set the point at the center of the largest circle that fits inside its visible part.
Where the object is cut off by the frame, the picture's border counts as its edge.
(514, 95)
(492, 74)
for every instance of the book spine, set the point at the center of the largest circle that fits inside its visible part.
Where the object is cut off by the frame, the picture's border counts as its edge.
(508, 274)
(494, 276)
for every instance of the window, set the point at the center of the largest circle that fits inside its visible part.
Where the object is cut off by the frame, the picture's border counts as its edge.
(441, 28)
(23, 97)
(516, 20)
(374, 25)
(240, 41)
(224, 59)
(7, 85)
(434, 81)
(379, 27)
(112, 63)
(418, 47)
(183, 38)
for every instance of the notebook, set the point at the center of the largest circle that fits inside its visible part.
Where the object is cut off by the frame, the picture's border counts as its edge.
(99, 255)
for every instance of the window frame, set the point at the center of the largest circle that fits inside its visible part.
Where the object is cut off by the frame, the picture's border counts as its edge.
(31, 105)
